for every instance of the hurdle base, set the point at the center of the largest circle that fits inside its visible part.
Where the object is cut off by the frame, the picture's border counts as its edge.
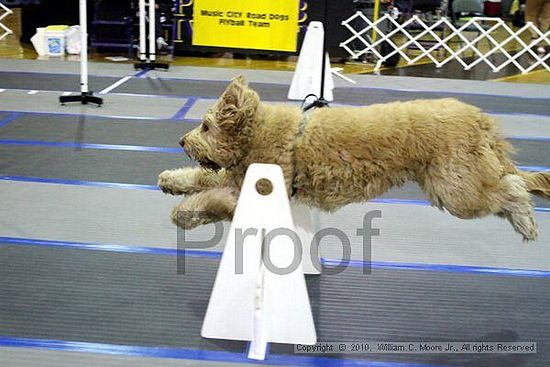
(84, 98)
(148, 65)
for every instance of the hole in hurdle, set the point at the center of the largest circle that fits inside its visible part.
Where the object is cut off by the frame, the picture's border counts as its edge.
(264, 186)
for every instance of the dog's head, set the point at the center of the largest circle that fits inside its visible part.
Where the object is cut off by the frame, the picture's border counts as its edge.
(221, 139)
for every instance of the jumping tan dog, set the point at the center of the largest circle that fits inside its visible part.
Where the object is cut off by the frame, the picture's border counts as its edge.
(338, 156)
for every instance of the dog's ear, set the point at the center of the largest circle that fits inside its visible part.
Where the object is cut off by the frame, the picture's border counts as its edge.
(240, 79)
(237, 104)
(235, 88)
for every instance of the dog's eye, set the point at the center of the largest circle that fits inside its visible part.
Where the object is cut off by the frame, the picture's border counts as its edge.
(205, 128)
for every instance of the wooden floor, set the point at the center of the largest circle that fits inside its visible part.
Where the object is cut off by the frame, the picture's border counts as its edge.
(10, 47)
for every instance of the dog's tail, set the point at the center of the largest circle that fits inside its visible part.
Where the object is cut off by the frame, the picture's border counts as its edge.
(538, 183)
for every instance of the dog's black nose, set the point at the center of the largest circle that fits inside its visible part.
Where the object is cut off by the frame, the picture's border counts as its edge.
(182, 142)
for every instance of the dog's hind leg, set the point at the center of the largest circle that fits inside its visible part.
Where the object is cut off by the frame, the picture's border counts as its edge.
(205, 207)
(516, 186)
(516, 206)
(538, 183)
(476, 184)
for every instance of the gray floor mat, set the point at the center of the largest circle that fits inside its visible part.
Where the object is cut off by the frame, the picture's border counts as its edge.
(125, 298)
(492, 104)
(25, 357)
(525, 125)
(268, 92)
(58, 66)
(531, 153)
(108, 298)
(188, 87)
(356, 96)
(88, 165)
(140, 218)
(133, 299)
(83, 129)
(57, 82)
(118, 70)
(166, 133)
(137, 107)
(411, 191)
(142, 167)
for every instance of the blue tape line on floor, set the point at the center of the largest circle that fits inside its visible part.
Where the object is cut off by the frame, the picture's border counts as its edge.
(99, 247)
(91, 116)
(450, 268)
(58, 181)
(9, 119)
(55, 144)
(534, 168)
(180, 115)
(141, 73)
(193, 354)
(541, 139)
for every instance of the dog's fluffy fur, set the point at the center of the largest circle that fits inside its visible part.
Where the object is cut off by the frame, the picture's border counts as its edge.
(452, 150)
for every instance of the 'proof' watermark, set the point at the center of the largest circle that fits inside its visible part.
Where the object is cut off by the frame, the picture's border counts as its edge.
(340, 240)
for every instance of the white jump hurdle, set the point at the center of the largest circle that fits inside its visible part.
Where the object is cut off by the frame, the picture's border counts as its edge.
(250, 300)
(148, 55)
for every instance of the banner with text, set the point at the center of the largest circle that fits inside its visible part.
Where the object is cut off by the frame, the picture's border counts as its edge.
(258, 24)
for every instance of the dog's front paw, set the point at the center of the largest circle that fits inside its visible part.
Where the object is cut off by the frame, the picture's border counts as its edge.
(190, 219)
(177, 181)
(166, 183)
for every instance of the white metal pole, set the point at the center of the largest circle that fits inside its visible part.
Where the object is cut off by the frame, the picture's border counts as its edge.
(152, 31)
(142, 36)
(83, 47)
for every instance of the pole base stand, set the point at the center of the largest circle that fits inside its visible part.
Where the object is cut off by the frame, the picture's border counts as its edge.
(148, 65)
(84, 98)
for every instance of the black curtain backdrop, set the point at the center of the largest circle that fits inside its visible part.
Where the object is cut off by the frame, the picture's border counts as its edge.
(338, 10)
(50, 12)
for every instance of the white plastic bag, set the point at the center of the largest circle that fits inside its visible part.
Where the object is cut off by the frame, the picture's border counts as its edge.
(72, 40)
(39, 42)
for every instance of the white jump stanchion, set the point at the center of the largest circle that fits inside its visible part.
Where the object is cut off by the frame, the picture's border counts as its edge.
(6, 31)
(85, 96)
(148, 56)
(303, 224)
(307, 77)
(142, 32)
(152, 31)
(260, 293)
